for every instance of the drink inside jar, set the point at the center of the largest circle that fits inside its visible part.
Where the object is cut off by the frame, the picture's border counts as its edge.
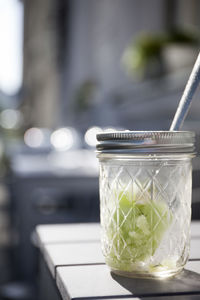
(139, 224)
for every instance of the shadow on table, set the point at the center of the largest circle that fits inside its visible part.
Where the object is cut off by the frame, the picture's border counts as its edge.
(185, 282)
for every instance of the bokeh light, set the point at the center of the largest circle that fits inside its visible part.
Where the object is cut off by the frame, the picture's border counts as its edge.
(34, 137)
(62, 139)
(90, 136)
(11, 119)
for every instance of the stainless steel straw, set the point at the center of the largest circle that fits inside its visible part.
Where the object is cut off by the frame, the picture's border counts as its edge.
(187, 97)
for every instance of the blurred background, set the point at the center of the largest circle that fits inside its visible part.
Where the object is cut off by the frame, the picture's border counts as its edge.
(70, 69)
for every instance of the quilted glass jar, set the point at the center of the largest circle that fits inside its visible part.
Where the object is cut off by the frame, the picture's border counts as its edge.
(145, 201)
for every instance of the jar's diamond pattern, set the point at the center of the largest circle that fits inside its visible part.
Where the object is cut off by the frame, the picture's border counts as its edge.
(145, 214)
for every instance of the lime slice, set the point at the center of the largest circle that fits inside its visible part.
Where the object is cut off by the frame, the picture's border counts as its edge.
(140, 227)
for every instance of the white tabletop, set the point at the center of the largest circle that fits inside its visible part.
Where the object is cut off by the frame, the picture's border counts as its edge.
(73, 255)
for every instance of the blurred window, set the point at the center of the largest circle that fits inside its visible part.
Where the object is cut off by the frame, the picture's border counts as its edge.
(11, 40)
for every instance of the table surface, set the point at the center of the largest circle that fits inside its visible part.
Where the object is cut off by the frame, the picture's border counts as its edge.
(73, 255)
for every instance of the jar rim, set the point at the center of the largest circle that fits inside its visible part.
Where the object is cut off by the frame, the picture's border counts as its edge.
(146, 142)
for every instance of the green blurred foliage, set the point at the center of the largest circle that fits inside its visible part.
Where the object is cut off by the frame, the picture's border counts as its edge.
(147, 49)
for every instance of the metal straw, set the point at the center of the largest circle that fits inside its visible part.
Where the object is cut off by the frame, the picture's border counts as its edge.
(187, 96)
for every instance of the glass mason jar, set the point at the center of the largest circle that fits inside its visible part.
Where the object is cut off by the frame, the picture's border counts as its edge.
(145, 201)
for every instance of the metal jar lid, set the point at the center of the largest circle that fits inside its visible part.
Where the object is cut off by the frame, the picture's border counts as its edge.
(146, 142)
